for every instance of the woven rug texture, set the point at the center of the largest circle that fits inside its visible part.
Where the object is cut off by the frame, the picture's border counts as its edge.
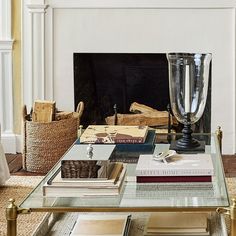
(19, 187)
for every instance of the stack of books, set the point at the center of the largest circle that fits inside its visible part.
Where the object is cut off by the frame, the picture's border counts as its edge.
(103, 224)
(130, 140)
(177, 224)
(57, 186)
(178, 168)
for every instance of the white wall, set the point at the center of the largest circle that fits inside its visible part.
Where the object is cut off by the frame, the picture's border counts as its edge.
(139, 30)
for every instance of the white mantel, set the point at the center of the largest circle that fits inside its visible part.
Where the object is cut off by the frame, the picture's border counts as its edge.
(54, 29)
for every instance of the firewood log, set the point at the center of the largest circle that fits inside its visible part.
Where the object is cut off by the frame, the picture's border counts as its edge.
(144, 115)
(141, 108)
(148, 118)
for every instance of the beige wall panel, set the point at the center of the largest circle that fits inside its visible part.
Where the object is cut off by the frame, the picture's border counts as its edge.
(16, 34)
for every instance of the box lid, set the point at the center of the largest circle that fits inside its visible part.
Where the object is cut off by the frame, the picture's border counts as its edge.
(100, 152)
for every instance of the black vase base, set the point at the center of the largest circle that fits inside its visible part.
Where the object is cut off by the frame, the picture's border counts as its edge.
(194, 148)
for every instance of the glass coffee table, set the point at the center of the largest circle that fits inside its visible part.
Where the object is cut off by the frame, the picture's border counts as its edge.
(138, 197)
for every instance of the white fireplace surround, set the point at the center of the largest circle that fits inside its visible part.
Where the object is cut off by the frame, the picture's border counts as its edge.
(7, 136)
(54, 29)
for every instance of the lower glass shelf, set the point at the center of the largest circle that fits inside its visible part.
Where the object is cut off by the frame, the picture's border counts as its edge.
(58, 224)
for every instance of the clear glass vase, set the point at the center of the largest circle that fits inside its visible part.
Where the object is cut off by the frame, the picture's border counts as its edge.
(188, 85)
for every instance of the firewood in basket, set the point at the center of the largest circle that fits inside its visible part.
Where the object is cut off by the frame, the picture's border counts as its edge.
(43, 111)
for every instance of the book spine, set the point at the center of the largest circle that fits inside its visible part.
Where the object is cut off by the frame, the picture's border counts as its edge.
(160, 179)
(171, 172)
(132, 140)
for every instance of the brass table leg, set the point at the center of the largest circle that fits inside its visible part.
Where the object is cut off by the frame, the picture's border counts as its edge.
(11, 215)
(219, 135)
(233, 217)
(12, 212)
(232, 212)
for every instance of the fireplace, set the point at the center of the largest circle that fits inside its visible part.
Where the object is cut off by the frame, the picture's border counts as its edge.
(127, 26)
(104, 79)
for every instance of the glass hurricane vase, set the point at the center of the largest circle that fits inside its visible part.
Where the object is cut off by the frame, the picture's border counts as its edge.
(188, 85)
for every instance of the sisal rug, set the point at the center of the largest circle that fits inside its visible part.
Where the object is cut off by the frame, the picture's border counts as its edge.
(19, 187)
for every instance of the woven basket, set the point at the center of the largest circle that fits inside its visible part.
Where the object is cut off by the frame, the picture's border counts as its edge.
(45, 143)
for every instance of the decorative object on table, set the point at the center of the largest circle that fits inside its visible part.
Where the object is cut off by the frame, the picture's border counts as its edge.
(188, 84)
(76, 163)
(179, 168)
(107, 134)
(90, 151)
(163, 156)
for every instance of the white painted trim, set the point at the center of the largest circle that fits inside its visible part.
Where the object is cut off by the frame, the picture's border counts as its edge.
(234, 84)
(5, 19)
(33, 17)
(2, 118)
(19, 143)
(49, 52)
(6, 44)
(6, 93)
(144, 4)
(9, 143)
(37, 8)
(8, 19)
(43, 55)
(8, 138)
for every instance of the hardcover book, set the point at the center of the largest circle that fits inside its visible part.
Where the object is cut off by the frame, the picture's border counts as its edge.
(130, 152)
(177, 223)
(162, 179)
(177, 165)
(114, 134)
(106, 224)
(162, 193)
(146, 147)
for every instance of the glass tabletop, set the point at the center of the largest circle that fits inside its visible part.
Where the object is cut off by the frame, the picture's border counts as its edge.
(143, 196)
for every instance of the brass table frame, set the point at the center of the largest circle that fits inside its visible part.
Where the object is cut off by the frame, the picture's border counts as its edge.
(12, 211)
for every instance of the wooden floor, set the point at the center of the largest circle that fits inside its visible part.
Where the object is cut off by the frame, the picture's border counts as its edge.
(15, 165)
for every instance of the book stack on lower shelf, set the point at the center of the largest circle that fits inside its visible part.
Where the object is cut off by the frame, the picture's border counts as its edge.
(103, 224)
(178, 168)
(111, 185)
(177, 224)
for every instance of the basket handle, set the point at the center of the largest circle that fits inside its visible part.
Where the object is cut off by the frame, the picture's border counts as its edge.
(24, 115)
(24, 112)
(80, 108)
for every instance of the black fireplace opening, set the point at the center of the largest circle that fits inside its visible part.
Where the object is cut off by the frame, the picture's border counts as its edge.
(104, 79)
